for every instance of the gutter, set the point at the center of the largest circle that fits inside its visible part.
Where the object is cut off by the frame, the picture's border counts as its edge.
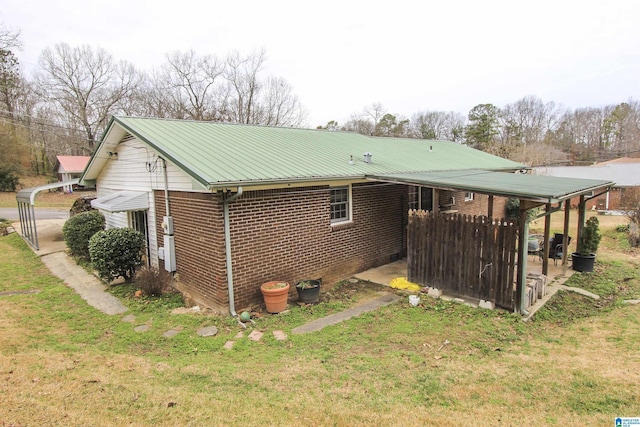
(227, 245)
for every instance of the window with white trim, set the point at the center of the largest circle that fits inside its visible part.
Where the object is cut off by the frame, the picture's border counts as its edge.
(340, 204)
(468, 196)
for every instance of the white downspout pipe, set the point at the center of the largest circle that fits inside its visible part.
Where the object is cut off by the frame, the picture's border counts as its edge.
(166, 187)
(227, 245)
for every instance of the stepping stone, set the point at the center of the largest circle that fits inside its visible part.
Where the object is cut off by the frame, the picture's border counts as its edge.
(229, 345)
(631, 301)
(239, 335)
(279, 335)
(170, 333)
(130, 318)
(141, 328)
(255, 335)
(208, 331)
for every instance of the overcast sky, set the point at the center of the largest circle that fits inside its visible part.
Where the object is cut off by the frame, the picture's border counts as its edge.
(341, 56)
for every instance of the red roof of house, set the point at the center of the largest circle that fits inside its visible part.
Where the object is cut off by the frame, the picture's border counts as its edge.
(72, 164)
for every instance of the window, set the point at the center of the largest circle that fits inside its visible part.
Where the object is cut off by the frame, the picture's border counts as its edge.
(468, 196)
(340, 204)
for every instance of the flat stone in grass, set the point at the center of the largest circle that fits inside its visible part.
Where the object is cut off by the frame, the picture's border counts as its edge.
(255, 335)
(129, 318)
(208, 331)
(170, 333)
(229, 345)
(279, 335)
(141, 328)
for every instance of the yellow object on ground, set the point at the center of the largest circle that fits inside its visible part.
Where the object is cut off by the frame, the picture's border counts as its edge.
(403, 283)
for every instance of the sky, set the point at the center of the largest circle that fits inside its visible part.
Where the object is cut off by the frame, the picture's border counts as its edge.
(342, 56)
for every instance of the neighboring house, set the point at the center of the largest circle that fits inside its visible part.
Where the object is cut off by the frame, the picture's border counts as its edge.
(624, 172)
(272, 203)
(70, 167)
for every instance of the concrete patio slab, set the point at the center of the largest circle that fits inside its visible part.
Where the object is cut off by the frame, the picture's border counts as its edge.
(318, 324)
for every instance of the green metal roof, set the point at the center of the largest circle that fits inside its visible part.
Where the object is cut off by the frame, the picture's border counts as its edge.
(220, 155)
(540, 188)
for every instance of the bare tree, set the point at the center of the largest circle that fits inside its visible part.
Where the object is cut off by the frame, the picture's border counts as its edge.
(359, 124)
(190, 86)
(580, 133)
(440, 125)
(9, 39)
(621, 128)
(87, 85)
(279, 106)
(376, 111)
(242, 75)
(527, 121)
(11, 78)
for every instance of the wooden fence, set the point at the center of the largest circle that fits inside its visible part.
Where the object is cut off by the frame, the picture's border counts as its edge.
(464, 255)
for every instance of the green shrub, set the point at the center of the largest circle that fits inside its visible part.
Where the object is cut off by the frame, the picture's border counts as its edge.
(153, 281)
(117, 252)
(78, 229)
(622, 228)
(8, 180)
(512, 210)
(590, 237)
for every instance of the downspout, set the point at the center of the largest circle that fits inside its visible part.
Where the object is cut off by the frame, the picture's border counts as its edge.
(166, 188)
(227, 245)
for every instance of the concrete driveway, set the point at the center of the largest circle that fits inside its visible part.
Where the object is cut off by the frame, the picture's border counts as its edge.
(53, 254)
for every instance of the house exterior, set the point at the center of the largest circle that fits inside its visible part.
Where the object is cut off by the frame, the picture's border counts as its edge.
(70, 167)
(624, 171)
(271, 203)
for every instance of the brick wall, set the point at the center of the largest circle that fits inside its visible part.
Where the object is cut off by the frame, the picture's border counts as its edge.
(478, 206)
(280, 235)
(600, 203)
(199, 239)
(285, 234)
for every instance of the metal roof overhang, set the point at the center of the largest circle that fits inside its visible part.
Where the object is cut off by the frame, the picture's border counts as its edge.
(28, 195)
(122, 201)
(537, 188)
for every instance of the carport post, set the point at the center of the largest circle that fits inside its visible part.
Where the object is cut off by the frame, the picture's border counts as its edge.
(565, 238)
(581, 217)
(545, 246)
(522, 259)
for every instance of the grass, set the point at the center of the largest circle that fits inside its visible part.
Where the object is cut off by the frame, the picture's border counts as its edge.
(65, 363)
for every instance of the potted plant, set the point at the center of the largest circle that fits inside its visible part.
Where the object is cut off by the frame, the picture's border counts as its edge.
(275, 295)
(309, 291)
(585, 256)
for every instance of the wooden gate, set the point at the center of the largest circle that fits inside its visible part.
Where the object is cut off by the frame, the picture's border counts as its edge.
(464, 255)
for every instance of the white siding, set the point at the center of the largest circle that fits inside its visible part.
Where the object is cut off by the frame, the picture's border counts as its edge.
(138, 168)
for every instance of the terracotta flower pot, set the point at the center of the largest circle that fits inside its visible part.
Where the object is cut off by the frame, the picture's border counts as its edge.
(275, 295)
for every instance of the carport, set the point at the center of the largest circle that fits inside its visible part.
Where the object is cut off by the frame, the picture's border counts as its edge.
(26, 209)
(532, 190)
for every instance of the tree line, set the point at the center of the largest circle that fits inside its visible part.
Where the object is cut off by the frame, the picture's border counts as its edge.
(67, 102)
(528, 131)
(65, 106)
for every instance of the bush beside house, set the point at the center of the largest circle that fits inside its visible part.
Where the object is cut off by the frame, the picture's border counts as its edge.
(78, 229)
(116, 252)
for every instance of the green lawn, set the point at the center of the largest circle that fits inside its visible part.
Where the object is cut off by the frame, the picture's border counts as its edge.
(65, 363)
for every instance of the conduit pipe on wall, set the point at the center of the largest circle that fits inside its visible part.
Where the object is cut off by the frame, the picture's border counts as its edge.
(227, 245)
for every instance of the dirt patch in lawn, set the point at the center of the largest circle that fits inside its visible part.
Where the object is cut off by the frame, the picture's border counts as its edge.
(353, 290)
